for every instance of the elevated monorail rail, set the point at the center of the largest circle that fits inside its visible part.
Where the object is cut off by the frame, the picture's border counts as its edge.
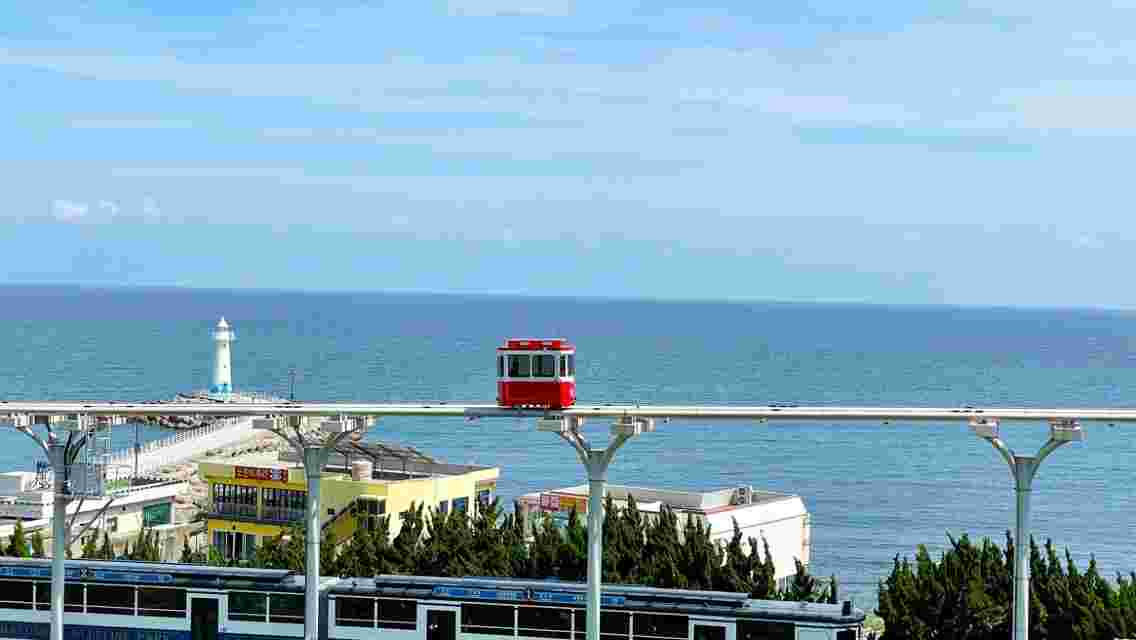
(674, 412)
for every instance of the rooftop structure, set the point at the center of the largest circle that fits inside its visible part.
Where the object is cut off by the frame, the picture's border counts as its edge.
(779, 518)
(26, 497)
(259, 495)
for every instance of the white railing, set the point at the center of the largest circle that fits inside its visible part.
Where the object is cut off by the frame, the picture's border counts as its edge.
(178, 447)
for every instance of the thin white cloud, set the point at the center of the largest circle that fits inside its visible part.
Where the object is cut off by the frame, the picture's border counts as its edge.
(109, 207)
(69, 210)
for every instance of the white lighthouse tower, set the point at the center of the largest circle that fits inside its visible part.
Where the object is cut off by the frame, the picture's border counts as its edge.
(222, 361)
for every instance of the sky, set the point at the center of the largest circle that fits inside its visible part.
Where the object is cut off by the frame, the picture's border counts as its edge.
(890, 152)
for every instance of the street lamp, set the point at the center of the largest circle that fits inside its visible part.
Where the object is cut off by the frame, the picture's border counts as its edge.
(596, 462)
(1023, 469)
(314, 446)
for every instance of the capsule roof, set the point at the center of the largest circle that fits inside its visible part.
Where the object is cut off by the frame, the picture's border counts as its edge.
(536, 344)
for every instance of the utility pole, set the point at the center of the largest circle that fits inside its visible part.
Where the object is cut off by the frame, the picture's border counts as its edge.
(292, 384)
(1022, 470)
(596, 462)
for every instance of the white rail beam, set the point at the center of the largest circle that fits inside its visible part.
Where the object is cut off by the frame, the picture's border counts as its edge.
(678, 412)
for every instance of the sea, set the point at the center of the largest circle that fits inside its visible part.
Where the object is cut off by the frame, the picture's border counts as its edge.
(874, 491)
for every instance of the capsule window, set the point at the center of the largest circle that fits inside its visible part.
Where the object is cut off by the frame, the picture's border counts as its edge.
(247, 607)
(110, 599)
(571, 364)
(15, 594)
(544, 366)
(354, 612)
(287, 608)
(519, 366)
(163, 603)
(500, 366)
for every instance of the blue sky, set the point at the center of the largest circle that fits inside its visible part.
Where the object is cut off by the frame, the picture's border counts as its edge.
(965, 153)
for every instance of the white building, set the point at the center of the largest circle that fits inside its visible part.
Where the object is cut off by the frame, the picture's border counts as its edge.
(150, 505)
(779, 518)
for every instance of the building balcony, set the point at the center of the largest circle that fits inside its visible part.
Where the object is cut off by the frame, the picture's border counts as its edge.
(224, 509)
(282, 514)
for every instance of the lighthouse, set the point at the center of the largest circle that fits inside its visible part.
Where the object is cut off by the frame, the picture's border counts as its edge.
(222, 361)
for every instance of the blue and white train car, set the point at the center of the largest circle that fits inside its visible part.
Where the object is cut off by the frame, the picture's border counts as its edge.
(418, 608)
(148, 601)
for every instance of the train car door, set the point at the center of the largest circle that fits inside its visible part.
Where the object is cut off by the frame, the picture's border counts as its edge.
(441, 622)
(711, 629)
(204, 617)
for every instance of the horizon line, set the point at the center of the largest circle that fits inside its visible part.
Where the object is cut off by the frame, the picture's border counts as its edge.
(567, 296)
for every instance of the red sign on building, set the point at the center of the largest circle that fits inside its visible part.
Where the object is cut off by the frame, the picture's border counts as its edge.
(257, 473)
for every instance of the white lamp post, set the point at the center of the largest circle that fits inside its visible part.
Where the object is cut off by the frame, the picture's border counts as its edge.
(1023, 469)
(596, 462)
(314, 447)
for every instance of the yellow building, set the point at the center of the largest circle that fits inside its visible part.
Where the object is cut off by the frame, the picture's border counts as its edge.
(259, 495)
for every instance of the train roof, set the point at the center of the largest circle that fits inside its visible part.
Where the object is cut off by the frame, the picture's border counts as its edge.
(615, 596)
(156, 573)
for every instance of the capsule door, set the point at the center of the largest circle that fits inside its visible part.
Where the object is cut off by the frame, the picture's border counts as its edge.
(441, 623)
(204, 618)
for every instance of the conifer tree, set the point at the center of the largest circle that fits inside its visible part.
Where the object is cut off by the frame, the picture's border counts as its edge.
(516, 549)
(18, 543)
(359, 554)
(329, 554)
(544, 549)
(572, 551)
(90, 549)
(489, 542)
(407, 544)
(803, 587)
(106, 552)
(37, 545)
(699, 556)
(613, 544)
(186, 553)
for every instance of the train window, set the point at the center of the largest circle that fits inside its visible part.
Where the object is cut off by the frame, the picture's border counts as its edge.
(287, 608)
(758, 630)
(398, 614)
(107, 599)
(544, 366)
(847, 634)
(500, 366)
(519, 366)
(655, 625)
(487, 619)
(15, 594)
(72, 597)
(544, 622)
(161, 603)
(571, 364)
(709, 632)
(614, 625)
(354, 612)
(247, 607)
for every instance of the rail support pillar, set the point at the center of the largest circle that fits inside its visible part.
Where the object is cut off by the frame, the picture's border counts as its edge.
(596, 462)
(315, 458)
(314, 446)
(56, 453)
(1022, 470)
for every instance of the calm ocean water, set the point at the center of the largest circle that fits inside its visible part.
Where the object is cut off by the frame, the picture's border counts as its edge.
(874, 490)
